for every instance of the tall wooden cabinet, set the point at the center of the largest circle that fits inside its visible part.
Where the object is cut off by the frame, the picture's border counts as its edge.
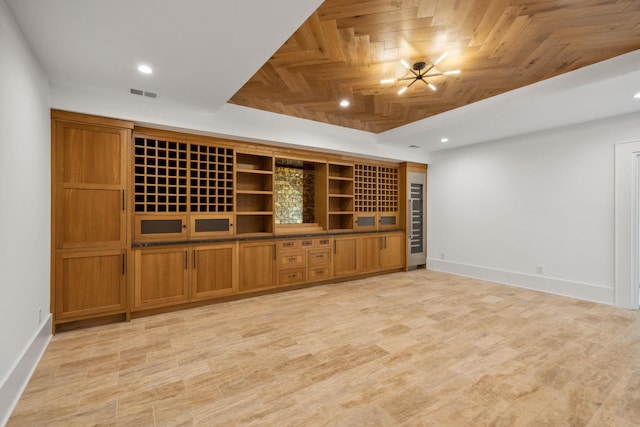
(89, 205)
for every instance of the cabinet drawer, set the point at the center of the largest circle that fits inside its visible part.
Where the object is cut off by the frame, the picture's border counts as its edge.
(321, 272)
(292, 276)
(291, 259)
(306, 243)
(324, 242)
(321, 256)
(288, 244)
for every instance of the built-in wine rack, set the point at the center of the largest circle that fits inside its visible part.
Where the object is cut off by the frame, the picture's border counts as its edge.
(174, 176)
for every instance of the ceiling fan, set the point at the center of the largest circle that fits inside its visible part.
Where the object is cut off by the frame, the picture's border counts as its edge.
(420, 71)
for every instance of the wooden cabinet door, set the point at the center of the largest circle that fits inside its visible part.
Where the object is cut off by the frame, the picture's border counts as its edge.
(161, 277)
(213, 270)
(90, 283)
(393, 250)
(90, 165)
(345, 256)
(371, 247)
(257, 266)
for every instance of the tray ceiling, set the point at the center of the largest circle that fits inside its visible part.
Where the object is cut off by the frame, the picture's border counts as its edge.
(345, 48)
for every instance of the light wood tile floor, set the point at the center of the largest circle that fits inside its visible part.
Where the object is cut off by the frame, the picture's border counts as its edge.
(419, 348)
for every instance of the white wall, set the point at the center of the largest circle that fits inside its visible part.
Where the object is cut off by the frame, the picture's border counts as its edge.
(500, 209)
(24, 200)
(235, 121)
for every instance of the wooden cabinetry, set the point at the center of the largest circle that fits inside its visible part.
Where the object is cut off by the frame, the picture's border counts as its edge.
(376, 197)
(89, 175)
(181, 189)
(196, 210)
(89, 283)
(345, 256)
(161, 277)
(257, 266)
(304, 260)
(254, 193)
(393, 251)
(89, 232)
(371, 247)
(179, 274)
(381, 252)
(213, 274)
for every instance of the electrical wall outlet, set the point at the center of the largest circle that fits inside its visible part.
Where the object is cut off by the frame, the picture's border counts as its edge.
(540, 269)
(443, 255)
(39, 316)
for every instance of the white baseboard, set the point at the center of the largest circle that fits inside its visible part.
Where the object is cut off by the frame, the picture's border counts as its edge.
(17, 381)
(567, 288)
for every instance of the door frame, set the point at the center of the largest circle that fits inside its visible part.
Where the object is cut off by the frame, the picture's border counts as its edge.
(626, 224)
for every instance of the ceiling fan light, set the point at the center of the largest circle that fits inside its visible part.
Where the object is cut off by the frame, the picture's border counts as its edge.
(432, 87)
(452, 72)
(385, 81)
(444, 55)
(403, 90)
(405, 63)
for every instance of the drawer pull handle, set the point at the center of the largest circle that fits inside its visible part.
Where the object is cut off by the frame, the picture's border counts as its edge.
(293, 258)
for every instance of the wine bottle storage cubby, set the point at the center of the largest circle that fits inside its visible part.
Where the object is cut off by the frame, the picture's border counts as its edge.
(160, 176)
(366, 184)
(387, 189)
(211, 179)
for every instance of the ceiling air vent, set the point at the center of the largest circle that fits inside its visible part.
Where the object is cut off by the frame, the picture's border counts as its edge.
(144, 93)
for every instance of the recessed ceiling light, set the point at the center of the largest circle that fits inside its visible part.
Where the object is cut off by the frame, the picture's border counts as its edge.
(414, 146)
(444, 140)
(637, 95)
(145, 69)
(344, 103)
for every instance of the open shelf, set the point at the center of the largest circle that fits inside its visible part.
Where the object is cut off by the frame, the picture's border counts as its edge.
(254, 162)
(252, 181)
(254, 223)
(340, 221)
(340, 187)
(254, 194)
(252, 202)
(340, 171)
(340, 204)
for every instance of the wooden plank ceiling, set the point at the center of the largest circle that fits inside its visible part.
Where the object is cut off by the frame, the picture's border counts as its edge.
(347, 47)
